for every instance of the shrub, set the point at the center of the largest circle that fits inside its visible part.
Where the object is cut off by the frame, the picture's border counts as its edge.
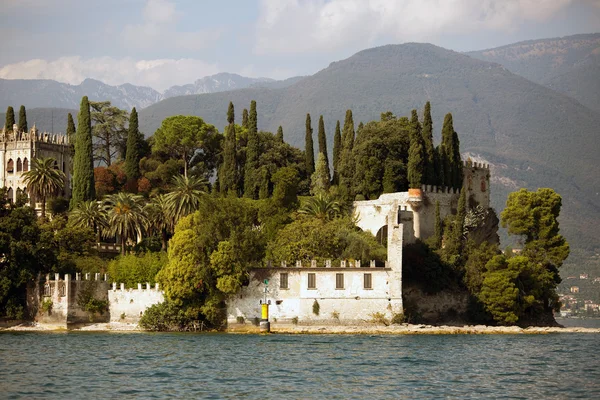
(87, 301)
(164, 317)
(240, 320)
(398, 318)
(133, 269)
(379, 318)
(316, 307)
(46, 306)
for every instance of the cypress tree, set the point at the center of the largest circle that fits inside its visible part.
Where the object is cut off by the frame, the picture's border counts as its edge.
(437, 230)
(22, 119)
(251, 184)
(457, 170)
(280, 134)
(228, 172)
(323, 145)
(309, 150)
(134, 145)
(446, 151)
(430, 173)
(83, 165)
(319, 181)
(346, 164)
(415, 154)
(337, 147)
(245, 118)
(10, 118)
(70, 129)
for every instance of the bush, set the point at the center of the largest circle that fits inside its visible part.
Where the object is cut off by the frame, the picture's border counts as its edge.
(133, 269)
(89, 303)
(164, 317)
(398, 319)
(316, 307)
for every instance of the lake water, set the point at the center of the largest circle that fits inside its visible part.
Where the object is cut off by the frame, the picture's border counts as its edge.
(124, 365)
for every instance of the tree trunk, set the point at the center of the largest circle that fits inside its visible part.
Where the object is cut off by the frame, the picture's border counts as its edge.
(44, 208)
(164, 240)
(123, 245)
(184, 166)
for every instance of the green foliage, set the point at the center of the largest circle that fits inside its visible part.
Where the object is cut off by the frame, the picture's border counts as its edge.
(321, 206)
(88, 302)
(58, 205)
(44, 180)
(316, 307)
(337, 149)
(346, 162)
(437, 230)
(394, 176)
(83, 165)
(416, 154)
(89, 214)
(323, 147)
(398, 319)
(109, 131)
(186, 136)
(424, 267)
(319, 181)
(184, 197)
(46, 306)
(280, 134)
(309, 148)
(244, 118)
(251, 181)
(306, 239)
(449, 152)
(132, 269)
(23, 119)
(379, 318)
(134, 147)
(125, 216)
(228, 172)
(10, 118)
(427, 132)
(70, 129)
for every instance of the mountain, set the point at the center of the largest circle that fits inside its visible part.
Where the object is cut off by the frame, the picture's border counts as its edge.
(36, 93)
(278, 84)
(533, 136)
(215, 83)
(570, 65)
(46, 119)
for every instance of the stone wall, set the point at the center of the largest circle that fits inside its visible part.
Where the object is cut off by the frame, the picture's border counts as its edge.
(128, 305)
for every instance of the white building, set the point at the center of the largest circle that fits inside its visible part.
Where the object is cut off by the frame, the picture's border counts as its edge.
(17, 149)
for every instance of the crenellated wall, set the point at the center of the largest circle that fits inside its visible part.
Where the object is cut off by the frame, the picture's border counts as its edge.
(128, 305)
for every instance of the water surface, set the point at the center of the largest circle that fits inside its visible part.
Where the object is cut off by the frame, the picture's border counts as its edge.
(124, 365)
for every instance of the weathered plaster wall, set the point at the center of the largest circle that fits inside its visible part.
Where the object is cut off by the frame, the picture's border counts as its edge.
(128, 305)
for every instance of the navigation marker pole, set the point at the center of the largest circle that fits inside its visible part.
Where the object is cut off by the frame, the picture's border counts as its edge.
(265, 325)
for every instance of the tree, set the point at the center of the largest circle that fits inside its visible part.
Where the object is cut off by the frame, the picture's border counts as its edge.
(450, 160)
(280, 134)
(134, 268)
(251, 184)
(185, 196)
(320, 182)
(228, 174)
(321, 206)
(83, 166)
(70, 130)
(244, 118)
(184, 136)
(44, 180)
(309, 148)
(427, 132)
(134, 147)
(109, 131)
(323, 145)
(416, 154)
(89, 214)
(10, 118)
(125, 216)
(160, 219)
(337, 148)
(346, 161)
(437, 231)
(22, 119)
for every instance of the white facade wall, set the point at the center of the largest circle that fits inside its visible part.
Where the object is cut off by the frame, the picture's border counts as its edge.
(128, 305)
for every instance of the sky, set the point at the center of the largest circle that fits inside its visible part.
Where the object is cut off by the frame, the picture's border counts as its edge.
(161, 43)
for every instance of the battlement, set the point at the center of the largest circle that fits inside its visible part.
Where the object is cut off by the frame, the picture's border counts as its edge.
(78, 277)
(34, 135)
(471, 164)
(121, 288)
(326, 264)
(439, 189)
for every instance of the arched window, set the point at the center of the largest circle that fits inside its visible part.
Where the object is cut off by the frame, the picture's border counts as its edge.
(9, 194)
(10, 166)
(19, 165)
(25, 165)
(55, 164)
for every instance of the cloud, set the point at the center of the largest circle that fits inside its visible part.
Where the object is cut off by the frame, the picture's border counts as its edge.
(159, 74)
(298, 26)
(160, 29)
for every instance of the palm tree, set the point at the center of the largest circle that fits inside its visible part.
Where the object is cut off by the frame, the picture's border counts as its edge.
(89, 213)
(185, 196)
(321, 206)
(126, 217)
(159, 218)
(43, 180)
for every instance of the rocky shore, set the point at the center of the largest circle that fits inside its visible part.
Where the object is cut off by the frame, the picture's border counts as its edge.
(403, 329)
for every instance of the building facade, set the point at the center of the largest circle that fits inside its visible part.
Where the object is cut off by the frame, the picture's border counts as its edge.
(18, 149)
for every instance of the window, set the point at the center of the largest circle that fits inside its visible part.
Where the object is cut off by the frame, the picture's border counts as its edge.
(312, 280)
(10, 166)
(25, 165)
(339, 281)
(19, 165)
(368, 281)
(283, 280)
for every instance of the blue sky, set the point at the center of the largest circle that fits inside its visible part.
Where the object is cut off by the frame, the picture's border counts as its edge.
(160, 43)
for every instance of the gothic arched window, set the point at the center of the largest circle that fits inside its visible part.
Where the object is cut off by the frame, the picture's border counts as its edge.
(19, 165)
(25, 165)
(10, 166)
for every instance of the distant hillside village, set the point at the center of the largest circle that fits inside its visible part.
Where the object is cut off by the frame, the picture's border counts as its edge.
(581, 296)
(225, 230)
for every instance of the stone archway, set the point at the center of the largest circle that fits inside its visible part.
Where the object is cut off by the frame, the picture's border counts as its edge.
(382, 235)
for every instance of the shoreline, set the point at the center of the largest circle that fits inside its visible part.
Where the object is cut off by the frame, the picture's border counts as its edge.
(403, 329)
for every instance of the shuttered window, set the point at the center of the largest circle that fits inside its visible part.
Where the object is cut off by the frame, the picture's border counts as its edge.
(312, 280)
(368, 281)
(339, 281)
(283, 280)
